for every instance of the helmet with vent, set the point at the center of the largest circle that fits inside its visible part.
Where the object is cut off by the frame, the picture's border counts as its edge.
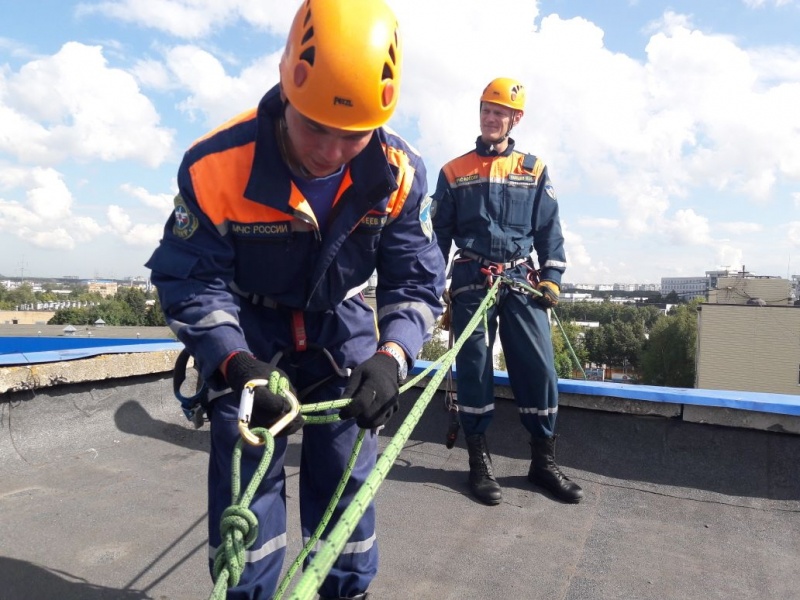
(506, 92)
(342, 62)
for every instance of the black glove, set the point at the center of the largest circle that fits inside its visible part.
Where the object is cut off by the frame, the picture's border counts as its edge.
(267, 407)
(373, 387)
(550, 292)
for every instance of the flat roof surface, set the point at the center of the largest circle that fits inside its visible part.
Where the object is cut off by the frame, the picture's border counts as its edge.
(102, 496)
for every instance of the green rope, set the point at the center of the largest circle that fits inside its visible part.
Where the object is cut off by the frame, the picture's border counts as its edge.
(532, 290)
(239, 526)
(330, 549)
(323, 523)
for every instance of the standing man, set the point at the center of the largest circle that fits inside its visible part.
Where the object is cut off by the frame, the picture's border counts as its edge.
(498, 205)
(283, 214)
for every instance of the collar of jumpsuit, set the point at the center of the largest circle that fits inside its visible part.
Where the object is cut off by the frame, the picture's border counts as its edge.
(484, 149)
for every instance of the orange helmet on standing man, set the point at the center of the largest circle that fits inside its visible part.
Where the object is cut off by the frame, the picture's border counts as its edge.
(506, 92)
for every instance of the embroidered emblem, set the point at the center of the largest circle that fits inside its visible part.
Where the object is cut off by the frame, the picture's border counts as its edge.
(185, 222)
(425, 217)
(551, 191)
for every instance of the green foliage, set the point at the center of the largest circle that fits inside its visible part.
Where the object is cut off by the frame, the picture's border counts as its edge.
(128, 307)
(435, 347)
(668, 357)
(615, 343)
(9, 299)
(154, 316)
(564, 361)
(608, 312)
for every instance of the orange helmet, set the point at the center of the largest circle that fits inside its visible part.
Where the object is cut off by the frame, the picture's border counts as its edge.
(341, 64)
(506, 92)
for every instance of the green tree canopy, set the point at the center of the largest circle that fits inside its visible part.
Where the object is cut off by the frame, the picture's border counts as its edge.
(668, 357)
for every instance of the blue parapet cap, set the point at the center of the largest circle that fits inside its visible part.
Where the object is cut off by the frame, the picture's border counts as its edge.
(784, 404)
(25, 351)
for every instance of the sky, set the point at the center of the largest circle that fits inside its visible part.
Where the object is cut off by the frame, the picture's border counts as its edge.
(671, 130)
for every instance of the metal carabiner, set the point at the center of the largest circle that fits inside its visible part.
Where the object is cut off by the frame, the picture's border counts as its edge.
(246, 411)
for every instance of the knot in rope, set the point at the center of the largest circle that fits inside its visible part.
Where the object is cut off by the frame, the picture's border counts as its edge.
(239, 528)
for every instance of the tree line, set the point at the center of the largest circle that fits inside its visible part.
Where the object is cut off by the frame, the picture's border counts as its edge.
(659, 348)
(130, 306)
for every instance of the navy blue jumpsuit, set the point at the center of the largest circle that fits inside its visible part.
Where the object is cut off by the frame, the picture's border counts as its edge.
(499, 209)
(243, 257)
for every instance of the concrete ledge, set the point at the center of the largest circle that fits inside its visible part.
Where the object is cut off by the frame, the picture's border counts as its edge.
(767, 412)
(97, 368)
(730, 417)
(750, 410)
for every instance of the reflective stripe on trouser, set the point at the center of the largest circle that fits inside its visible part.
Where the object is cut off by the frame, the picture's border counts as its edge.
(525, 337)
(326, 450)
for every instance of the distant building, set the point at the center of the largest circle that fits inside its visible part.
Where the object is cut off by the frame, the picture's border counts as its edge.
(687, 288)
(772, 291)
(104, 288)
(748, 347)
(729, 287)
(577, 297)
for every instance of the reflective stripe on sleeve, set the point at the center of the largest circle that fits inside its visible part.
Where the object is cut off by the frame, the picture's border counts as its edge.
(216, 317)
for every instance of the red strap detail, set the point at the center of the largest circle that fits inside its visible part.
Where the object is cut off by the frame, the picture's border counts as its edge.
(223, 367)
(299, 331)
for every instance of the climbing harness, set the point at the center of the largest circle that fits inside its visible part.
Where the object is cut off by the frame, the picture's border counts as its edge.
(495, 273)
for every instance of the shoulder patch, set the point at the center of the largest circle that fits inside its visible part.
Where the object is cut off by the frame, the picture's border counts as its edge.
(551, 191)
(425, 217)
(185, 222)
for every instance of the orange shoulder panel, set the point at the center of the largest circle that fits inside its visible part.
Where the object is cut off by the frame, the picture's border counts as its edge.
(470, 165)
(405, 179)
(219, 182)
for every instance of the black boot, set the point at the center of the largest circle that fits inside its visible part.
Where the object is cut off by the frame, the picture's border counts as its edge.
(481, 477)
(545, 472)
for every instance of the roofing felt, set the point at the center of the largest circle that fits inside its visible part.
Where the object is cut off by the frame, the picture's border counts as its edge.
(102, 495)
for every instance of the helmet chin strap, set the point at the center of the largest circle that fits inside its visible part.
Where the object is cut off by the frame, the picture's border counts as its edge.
(492, 147)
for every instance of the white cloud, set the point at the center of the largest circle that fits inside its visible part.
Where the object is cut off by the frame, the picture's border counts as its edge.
(574, 248)
(210, 92)
(139, 234)
(194, 19)
(73, 106)
(599, 223)
(729, 257)
(45, 217)
(762, 3)
(163, 203)
(739, 227)
(142, 235)
(793, 234)
(688, 228)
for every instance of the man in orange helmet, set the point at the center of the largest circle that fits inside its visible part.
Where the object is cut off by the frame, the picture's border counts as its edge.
(498, 205)
(283, 215)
